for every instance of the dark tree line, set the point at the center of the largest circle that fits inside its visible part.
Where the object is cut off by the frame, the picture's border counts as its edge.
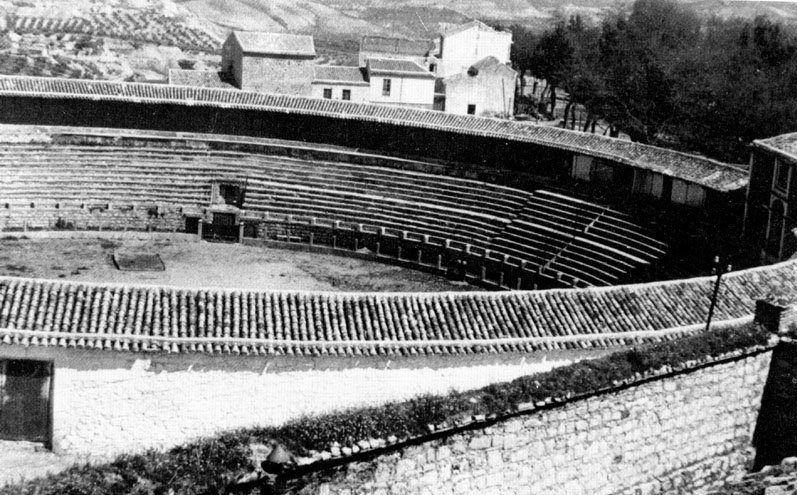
(666, 76)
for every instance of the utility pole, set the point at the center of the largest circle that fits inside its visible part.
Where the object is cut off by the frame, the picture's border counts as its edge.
(719, 272)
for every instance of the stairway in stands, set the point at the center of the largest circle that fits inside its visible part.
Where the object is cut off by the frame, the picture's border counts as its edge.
(591, 244)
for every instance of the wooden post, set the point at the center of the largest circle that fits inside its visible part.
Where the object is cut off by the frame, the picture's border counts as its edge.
(378, 246)
(334, 241)
(420, 256)
(312, 236)
(241, 232)
(398, 252)
(439, 261)
(199, 227)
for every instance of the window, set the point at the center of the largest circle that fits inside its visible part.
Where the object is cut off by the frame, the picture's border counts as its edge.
(328, 93)
(432, 67)
(346, 94)
(471, 109)
(687, 194)
(775, 231)
(650, 183)
(782, 175)
(386, 87)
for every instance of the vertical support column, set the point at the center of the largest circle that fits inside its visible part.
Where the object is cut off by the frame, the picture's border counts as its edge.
(200, 227)
(241, 232)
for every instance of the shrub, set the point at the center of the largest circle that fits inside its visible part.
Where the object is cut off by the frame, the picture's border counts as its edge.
(206, 466)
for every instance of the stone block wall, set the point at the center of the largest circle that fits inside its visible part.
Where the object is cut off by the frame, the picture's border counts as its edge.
(679, 434)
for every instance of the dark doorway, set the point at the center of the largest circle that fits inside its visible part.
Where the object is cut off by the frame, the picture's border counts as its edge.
(25, 400)
(191, 225)
(222, 229)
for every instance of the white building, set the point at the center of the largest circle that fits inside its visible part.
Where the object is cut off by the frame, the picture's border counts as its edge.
(464, 45)
(486, 89)
(400, 82)
(340, 83)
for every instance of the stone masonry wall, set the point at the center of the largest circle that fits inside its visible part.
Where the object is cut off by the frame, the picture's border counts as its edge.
(106, 403)
(678, 434)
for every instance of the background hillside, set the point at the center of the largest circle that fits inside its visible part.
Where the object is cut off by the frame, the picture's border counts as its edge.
(140, 40)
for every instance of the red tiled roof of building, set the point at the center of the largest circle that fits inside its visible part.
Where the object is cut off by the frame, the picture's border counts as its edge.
(396, 67)
(395, 46)
(260, 43)
(340, 75)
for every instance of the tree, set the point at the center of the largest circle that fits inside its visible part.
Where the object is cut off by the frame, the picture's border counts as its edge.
(552, 59)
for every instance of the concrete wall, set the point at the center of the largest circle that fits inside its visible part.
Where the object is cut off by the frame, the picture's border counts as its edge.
(107, 402)
(465, 48)
(282, 75)
(677, 435)
(492, 94)
(403, 91)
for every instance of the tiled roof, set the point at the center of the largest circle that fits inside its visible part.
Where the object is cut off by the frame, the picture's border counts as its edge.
(708, 173)
(149, 318)
(391, 66)
(199, 78)
(275, 43)
(785, 145)
(337, 75)
(395, 46)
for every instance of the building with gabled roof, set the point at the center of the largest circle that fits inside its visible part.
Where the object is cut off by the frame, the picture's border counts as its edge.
(463, 45)
(269, 62)
(340, 83)
(400, 82)
(487, 88)
(770, 221)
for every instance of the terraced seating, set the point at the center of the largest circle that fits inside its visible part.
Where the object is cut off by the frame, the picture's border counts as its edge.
(551, 233)
(590, 243)
(456, 209)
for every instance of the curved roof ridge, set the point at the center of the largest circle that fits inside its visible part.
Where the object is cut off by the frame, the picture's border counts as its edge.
(706, 172)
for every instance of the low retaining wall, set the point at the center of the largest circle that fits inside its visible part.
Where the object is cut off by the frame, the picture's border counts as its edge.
(679, 433)
(106, 403)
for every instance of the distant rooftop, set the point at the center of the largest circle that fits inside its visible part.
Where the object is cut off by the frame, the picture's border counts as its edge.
(331, 74)
(260, 43)
(391, 66)
(395, 46)
(199, 78)
(449, 29)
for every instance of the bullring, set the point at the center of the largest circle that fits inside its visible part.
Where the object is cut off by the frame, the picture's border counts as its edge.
(212, 355)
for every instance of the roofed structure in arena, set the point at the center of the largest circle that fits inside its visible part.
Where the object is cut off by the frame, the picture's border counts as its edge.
(150, 318)
(707, 173)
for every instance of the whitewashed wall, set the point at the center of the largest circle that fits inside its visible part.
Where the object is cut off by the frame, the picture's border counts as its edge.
(107, 402)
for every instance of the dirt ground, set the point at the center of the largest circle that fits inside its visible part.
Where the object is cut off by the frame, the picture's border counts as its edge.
(196, 264)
